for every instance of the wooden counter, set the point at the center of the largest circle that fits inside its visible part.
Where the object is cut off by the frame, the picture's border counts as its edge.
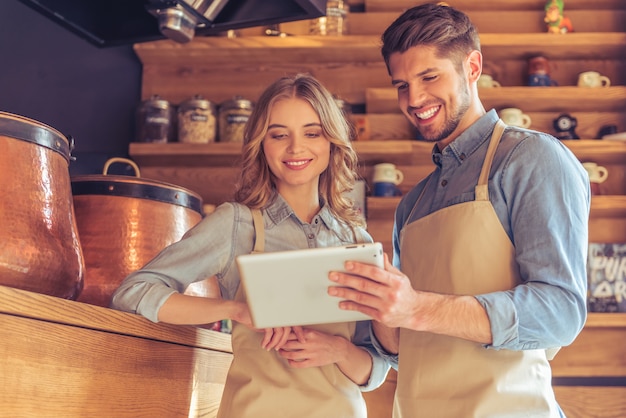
(63, 358)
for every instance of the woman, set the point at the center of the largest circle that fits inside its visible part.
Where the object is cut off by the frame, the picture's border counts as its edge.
(298, 164)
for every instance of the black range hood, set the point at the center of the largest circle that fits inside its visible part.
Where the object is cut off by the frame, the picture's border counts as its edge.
(118, 22)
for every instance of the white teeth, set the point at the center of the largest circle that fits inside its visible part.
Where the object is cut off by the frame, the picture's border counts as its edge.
(296, 163)
(428, 113)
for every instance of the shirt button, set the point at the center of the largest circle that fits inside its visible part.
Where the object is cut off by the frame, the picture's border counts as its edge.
(444, 183)
(462, 156)
(316, 221)
(311, 236)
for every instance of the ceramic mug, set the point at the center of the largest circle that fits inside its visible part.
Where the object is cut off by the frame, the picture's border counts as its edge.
(515, 117)
(597, 174)
(386, 189)
(593, 79)
(387, 173)
(487, 81)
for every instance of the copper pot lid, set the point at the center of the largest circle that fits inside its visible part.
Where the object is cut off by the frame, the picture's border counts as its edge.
(127, 186)
(30, 130)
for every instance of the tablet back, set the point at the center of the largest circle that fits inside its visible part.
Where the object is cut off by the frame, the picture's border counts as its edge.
(289, 288)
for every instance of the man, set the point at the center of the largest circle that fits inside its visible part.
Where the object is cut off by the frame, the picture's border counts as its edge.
(488, 277)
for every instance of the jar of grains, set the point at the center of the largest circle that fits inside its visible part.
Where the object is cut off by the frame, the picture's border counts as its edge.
(196, 121)
(155, 121)
(233, 115)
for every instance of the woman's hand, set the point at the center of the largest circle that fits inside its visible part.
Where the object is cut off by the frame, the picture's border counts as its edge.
(321, 349)
(275, 338)
(318, 349)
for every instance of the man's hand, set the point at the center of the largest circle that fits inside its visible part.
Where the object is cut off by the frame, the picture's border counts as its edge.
(384, 294)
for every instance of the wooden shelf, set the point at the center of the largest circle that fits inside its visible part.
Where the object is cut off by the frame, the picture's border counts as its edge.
(403, 151)
(606, 320)
(605, 151)
(252, 50)
(531, 99)
(495, 20)
(186, 155)
(227, 154)
(612, 206)
(509, 5)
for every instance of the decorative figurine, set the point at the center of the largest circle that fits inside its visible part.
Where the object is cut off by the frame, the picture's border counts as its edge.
(557, 23)
(565, 126)
(539, 72)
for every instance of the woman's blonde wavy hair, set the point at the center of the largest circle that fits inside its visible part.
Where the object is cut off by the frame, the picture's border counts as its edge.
(256, 185)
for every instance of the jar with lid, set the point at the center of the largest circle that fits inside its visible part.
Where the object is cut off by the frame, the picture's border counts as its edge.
(155, 121)
(233, 116)
(335, 22)
(196, 121)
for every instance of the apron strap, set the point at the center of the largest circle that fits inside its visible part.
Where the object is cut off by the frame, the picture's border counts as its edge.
(482, 191)
(259, 229)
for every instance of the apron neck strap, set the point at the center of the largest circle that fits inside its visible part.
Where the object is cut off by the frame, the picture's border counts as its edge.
(482, 191)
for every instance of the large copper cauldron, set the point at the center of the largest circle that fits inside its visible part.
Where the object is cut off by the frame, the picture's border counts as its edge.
(39, 246)
(125, 221)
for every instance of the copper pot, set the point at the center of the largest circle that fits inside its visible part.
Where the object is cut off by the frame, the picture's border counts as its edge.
(124, 222)
(40, 248)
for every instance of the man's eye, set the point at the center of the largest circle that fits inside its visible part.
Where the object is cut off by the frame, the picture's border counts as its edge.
(401, 87)
(430, 78)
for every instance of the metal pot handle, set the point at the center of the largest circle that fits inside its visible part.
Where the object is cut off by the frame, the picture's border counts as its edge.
(110, 161)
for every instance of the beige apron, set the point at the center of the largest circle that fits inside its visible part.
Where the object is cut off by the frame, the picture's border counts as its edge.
(260, 383)
(463, 249)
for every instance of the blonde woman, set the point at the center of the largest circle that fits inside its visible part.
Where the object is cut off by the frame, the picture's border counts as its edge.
(298, 164)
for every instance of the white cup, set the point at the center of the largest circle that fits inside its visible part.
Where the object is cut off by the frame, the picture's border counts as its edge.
(593, 79)
(597, 173)
(515, 117)
(387, 173)
(486, 81)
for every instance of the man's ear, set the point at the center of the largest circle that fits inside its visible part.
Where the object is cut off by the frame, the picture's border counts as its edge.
(474, 65)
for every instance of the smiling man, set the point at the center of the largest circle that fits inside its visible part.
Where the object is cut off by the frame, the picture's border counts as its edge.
(488, 277)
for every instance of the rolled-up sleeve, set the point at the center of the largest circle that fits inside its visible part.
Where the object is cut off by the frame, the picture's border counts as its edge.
(380, 365)
(548, 198)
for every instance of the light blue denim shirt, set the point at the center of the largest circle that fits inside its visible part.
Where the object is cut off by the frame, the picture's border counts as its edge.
(210, 248)
(541, 195)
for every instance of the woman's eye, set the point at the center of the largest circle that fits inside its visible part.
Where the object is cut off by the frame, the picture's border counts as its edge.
(313, 134)
(277, 135)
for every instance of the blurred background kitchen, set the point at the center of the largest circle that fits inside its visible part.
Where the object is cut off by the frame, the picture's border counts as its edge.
(49, 74)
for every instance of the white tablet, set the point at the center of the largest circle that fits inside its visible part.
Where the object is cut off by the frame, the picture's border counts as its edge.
(288, 288)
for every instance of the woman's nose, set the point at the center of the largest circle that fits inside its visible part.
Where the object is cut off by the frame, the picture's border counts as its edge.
(296, 144)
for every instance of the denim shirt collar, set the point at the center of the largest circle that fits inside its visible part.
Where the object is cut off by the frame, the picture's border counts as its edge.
(279, 211)
(466, 144)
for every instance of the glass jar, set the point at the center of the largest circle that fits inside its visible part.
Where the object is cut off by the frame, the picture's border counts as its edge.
(196, 121)
(335, 23)
(155, 121)
(233, 116)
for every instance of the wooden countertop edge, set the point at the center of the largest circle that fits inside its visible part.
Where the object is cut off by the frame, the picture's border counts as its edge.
(41, 307)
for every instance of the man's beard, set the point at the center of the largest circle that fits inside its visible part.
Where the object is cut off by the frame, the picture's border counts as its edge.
(451, 123)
